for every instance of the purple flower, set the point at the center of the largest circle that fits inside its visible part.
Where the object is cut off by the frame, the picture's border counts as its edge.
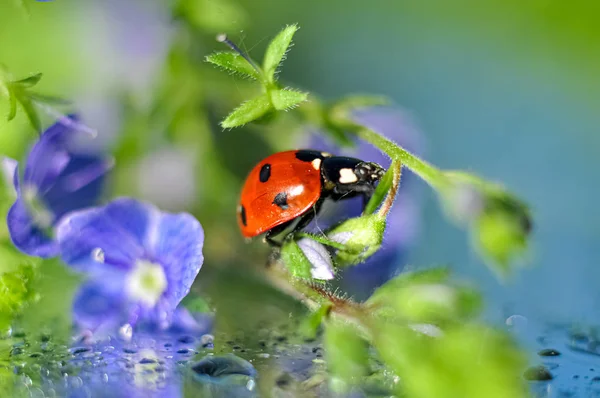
(140, 262)
(58, 178)
(402, 221)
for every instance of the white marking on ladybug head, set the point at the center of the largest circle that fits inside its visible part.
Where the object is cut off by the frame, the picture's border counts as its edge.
(316, 164)
(325, 154)
(347, 176)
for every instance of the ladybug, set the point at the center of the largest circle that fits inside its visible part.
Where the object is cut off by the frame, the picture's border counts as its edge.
(291, 186)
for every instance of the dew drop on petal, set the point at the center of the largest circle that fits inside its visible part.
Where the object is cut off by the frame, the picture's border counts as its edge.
(98, 255)
(126, 332)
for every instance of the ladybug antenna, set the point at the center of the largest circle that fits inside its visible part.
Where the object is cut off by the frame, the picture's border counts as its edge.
(222, 38)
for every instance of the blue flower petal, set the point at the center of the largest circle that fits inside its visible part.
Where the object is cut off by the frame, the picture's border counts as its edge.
(26, 236)
(48, 156)
(99, 306)
(177, 245)
(118, 230)
(79, 185)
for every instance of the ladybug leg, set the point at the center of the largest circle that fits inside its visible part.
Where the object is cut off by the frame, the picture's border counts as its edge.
(308, 217)
(276, 231)
(270, 240)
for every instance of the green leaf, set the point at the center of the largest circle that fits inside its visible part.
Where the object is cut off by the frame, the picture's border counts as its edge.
(361, 237)
(57, 284)
(310, 325)
(12, 112)
(426, 297)
(276, 51)
(31, 113)
(409, 278)
(15, 292)
(295, 260)
(49, 99)
(233, 62)
(346, 352)
(471, 361)
(284, 99)
(29, 81)
(247, 112)
(380, 192)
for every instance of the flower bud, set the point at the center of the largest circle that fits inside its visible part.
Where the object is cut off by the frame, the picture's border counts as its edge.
(361, 237)
(307, 259)
(500, 223)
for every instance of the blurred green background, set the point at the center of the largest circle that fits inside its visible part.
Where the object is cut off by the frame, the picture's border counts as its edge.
(507, 89)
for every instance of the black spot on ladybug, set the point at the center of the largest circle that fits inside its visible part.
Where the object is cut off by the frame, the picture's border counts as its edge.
(281, 200)
(243, 215)
(265, 173)
(307, 155)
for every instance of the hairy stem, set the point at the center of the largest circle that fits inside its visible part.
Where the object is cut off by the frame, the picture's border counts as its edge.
(386, 206)
(426, 171)
(313, 296)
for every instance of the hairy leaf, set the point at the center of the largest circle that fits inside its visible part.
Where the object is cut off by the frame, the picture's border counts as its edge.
(247, 112)
(380, 192)
(284, 99)
(295, 260)
(233, 62)
(276, 51)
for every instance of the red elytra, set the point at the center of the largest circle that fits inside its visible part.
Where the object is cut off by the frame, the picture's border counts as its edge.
(279, 189)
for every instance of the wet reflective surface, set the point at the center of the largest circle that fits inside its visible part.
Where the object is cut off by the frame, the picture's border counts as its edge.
(271, 361)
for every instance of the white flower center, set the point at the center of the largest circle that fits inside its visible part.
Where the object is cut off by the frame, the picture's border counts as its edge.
(146, 282)
(41, 215)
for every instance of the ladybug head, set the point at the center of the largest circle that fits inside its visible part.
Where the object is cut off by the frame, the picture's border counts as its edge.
(369, 172)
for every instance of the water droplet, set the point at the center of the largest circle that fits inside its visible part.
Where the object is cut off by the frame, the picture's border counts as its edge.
(75, 382)
(220, 366)
(80, 350)
(183, 351)
(98, 255)
(207, 341)
(105, 377)
(26, 380)
(548, 352)
(264, 355)
(250, 385)
(126, 332)
(283, 381)
(145, 361)
(537, 373)
(186, 339)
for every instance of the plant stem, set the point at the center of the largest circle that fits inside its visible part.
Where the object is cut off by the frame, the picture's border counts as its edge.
(391, 196)
(426, 171)
(313, 296)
